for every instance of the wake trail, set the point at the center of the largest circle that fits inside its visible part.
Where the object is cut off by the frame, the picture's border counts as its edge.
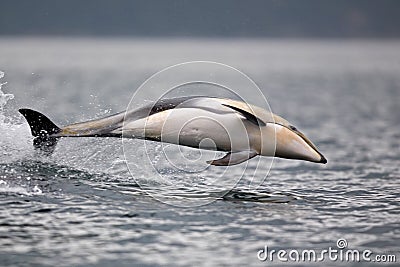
(15, 137)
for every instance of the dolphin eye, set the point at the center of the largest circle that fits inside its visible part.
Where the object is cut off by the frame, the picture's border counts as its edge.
(292, 128)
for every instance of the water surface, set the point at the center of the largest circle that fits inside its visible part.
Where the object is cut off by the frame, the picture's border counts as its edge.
(82, 207)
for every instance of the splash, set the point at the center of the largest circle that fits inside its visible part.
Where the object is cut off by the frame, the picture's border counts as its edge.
(14, 137)
(4, 98)
(6, 187)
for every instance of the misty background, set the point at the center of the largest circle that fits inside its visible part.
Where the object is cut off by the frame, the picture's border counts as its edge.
(206, 18)
(331, 68)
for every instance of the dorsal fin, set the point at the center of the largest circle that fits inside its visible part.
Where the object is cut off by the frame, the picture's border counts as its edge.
(251, 117)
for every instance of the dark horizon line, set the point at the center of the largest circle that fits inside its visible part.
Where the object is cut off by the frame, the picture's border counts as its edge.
(201, 36)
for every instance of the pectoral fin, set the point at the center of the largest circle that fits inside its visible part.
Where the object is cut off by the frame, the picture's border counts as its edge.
(233, 158)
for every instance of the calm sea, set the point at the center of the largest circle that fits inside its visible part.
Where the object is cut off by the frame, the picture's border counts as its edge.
(81, 206)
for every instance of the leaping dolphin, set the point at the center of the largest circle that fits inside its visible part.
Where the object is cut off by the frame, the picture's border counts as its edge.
(240, 129)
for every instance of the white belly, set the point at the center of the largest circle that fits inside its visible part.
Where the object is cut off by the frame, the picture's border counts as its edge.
(196, 128)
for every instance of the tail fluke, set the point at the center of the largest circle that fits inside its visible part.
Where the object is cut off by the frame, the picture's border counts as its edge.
(41, 128)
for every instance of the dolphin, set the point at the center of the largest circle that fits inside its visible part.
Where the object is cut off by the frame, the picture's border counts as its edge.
(240, 129)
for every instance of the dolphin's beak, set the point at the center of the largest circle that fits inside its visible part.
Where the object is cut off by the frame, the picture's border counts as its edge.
(292, 144)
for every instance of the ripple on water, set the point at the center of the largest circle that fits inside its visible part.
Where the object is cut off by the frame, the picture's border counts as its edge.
(81, 207)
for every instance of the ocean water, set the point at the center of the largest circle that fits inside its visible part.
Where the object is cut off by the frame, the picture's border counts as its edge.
(82, 206)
